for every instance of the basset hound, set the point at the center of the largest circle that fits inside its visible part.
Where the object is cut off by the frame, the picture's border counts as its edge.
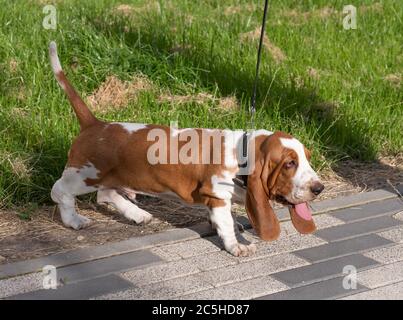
(120, 160)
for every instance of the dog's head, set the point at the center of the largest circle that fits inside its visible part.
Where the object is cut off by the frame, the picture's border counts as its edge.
(282, 173)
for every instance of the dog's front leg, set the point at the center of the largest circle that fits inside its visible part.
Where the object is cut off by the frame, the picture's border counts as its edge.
(221, 218)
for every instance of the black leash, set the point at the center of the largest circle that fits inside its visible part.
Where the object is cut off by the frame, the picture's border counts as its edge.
(252, 109)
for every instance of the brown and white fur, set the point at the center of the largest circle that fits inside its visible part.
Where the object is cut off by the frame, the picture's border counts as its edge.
(110, 158)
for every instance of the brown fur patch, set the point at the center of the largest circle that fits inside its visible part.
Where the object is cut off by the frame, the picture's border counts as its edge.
(254, 36)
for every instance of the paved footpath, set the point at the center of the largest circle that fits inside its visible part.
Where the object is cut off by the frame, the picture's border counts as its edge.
(360, 236)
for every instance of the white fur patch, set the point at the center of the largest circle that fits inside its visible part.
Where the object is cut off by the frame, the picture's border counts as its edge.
(304, 174)
(131, 127)
(124, 206)
(223, 186)
(71, 184)
(54, 59)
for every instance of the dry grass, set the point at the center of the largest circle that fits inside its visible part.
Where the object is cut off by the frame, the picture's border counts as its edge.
(13, 65)
(254, 36)
(313, 73)
(377, 7)
(297, 17)
(353, 177)
(20, 167)
(129, 10)
(394, 79)
(231, 10)
(114, 93)
(226, 103)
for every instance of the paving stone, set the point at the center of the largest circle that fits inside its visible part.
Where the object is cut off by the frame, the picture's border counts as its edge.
(79, 290)
(162, 290)
(344, 247)
(329, 289)
(286, 243)
(399, 215)
(165, 255)
(395, 234)
(160, 272)
(191, 248)
(381, 276)
(355, 229)
(387, 255)
(360, 198)
(21, 284)
(212, 261)
(97, 252)
(252, 269)
(322, 221)
(390, 292)
(370, 210)
(248, 289)
(96, 268)
(322, 270)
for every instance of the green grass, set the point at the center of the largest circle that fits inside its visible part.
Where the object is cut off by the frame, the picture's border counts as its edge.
(37, 124)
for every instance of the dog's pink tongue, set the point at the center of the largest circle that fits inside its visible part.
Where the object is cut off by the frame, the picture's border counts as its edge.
(303, 211)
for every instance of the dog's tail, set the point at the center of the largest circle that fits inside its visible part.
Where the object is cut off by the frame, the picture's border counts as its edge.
(84, 115)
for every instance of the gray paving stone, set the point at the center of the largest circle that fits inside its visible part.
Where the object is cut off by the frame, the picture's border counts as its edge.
(191, 248)
(370, 210)
(399, 215)
(390, 292)
(101, 267)
(341, 248)
(355, 229)
(79, 290)
(322, 221)
(381, 276)
(329, 289)
(322, 270)
(21, 284)
(162, 290)
(165, 255)
(244, 290)
(387, 255)
(286, 243)
(395, 234)
(348, 201)
(252, 269)
(161, 272)
(210, 261)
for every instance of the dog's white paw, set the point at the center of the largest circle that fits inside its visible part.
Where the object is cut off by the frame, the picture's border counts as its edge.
(78, 222)
(138, 215)
(242, 250)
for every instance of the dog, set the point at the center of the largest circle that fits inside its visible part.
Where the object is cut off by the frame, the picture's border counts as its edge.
(119, 160)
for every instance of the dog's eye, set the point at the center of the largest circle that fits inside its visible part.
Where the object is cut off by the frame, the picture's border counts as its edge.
(290, 164)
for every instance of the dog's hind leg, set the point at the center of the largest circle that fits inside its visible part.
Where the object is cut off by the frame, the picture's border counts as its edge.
(71, 184)
(123, 205)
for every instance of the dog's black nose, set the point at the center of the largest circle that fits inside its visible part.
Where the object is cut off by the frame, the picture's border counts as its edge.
(317, 188)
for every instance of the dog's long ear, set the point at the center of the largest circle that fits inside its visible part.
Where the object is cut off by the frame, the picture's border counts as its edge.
(259, 210)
